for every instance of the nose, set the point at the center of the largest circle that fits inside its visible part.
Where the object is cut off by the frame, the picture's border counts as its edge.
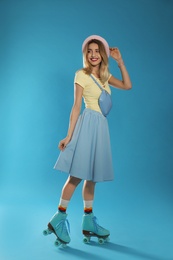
(93, 54)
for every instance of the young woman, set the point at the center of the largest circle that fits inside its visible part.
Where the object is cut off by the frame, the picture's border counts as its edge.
(86, 151)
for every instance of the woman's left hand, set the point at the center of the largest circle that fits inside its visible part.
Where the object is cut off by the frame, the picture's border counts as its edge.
(115, 53)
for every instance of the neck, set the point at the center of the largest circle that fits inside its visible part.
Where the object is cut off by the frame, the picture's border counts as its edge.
(96, 72)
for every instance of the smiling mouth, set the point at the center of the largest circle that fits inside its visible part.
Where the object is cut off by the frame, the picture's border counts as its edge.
(94, 59)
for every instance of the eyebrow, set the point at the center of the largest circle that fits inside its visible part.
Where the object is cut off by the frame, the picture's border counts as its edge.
(91, 49)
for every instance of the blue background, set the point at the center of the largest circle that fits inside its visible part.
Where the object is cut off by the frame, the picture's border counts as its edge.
(40, 50)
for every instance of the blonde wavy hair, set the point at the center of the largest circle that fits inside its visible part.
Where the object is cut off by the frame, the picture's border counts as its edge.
(104, 70)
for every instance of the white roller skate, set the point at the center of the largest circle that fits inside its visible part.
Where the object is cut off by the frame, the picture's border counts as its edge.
(90, 228)
(59, 225)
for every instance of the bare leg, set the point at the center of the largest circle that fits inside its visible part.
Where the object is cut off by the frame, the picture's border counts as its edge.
(88, 190)
(69, 187)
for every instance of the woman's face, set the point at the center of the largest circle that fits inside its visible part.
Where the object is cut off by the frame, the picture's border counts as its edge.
(93, 54)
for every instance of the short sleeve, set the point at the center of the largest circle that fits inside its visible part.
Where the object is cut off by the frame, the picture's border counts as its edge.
(80, 78)
(110, 75)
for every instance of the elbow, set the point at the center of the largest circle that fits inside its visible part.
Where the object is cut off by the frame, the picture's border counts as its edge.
(128, 86)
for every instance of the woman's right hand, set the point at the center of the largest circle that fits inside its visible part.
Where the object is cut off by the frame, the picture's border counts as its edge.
(63, 143)
(115, 54)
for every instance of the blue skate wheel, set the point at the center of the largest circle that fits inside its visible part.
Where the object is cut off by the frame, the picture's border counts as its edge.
(107, 239)
(101, 241)
(57, 243)
(64, 245)
(47, 232)
(86, 240)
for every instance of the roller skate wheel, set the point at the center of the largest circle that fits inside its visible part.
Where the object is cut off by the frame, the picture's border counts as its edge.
(64, 245)
(57, 243)
(86, 240)
(101, 241)
(46, 232)
(107, 239)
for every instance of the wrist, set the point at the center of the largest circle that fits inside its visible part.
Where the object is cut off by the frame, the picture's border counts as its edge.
(120, 62)
(69, 136)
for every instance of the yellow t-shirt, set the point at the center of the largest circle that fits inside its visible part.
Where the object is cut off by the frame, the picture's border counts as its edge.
(91, 91)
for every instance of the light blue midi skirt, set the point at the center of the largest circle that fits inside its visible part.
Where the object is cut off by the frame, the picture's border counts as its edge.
(88, 155)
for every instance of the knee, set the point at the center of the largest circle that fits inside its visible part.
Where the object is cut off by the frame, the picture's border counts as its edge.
(74, 181)
(89, 184)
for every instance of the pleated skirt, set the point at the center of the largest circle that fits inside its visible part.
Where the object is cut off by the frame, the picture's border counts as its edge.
(88, 155)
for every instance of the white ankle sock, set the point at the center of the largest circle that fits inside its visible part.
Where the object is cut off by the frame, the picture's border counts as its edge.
(88, 203)
(63, 203)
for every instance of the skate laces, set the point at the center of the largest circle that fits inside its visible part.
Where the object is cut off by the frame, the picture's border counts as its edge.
(65, 226)
(96, 225)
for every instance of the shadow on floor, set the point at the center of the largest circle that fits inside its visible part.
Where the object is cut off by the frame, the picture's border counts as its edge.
(81, 254)
(133, 252)
(111, 246)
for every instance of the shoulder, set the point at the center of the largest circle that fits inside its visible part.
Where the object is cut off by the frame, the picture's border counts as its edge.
(80, 72)
(81, 78)
(81, 75)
